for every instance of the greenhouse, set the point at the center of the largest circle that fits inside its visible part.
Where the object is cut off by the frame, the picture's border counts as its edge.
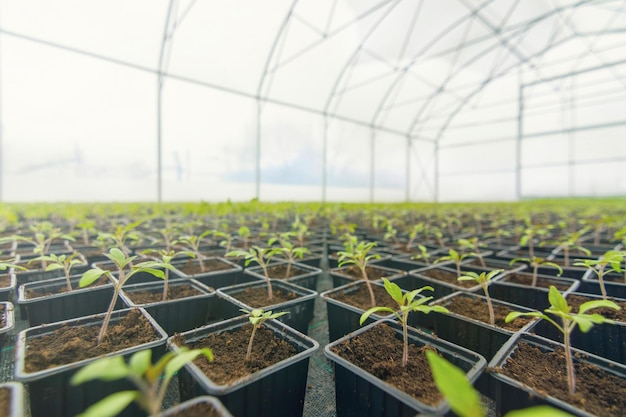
(312, 208)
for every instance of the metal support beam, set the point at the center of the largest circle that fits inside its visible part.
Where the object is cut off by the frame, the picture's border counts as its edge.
(257, 163)
(407, 184)
(518, 150)
(325, 160)
(436, 179)
(372, 163)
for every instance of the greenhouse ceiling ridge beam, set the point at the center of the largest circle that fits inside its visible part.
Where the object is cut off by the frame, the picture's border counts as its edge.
(214, 86)
(577, 72)
(573, 129)
(576, 162)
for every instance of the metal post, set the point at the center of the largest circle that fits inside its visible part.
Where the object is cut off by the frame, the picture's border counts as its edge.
(518, 153)
(257, 188)
(436, 179)
(407, 183)
(372, 163)
(571, 139)
(325, 160)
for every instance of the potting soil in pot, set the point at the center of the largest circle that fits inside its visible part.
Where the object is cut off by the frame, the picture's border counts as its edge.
(477, 309)
(361, 297)
(174, 292)
(5, 402)
(449, 277)
(257, 297)
(192, 267)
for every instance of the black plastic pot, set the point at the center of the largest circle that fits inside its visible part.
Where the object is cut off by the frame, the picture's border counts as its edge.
(513, 395)
(16, 392)
(307, 275)
(300, 309)
(344, 318)
(6, 292)
(216, 405)
(419, 278)
(341, 278)
(182, 314)
(64, 305)
(37, 275)
(51, 393)
(276, 391)
(9, 321)
(231, 275)
(333, 260)
(606, 340)
(535, 298)
(360, 394)
(614, 288)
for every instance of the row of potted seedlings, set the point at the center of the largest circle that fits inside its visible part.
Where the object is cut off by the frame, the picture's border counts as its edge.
(462, 273)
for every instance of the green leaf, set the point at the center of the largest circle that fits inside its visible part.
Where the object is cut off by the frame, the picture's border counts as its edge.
(105, 369)
(140, 361)
(374, 310)
(394, 290)
(453, 384)
(584, 307)
(91, 276)
(112, 405)
(53, 267)
(515, 314)
(184, 358)
(557, 301)
(116, 256)
(539, 411)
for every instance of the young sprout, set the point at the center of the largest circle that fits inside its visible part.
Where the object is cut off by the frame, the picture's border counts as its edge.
(64, 262)
(415, 230)
(122, 235)
(166, 258)
(121, 261)
(464, 400)
(423, 255)
(456, 257)
(245, 233)
(357, 253)
(571, 241)
(44, 235)
(257, 317)
(535, 262)
(150, 379)
(483, 280)
(4, 265)
(288, 251)
(193, 242)
(407, 303)
(528, 238)
(261, 256)
(473, 246)
(227, 240)
(569, 321)
(611, 259)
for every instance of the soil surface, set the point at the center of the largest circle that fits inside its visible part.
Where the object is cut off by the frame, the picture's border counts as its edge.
(597, 392)
(198, 410)
(361, 298)
(229, 350)
(5, 280)
(279, 271)
(257, 297)
(528, 279)
(574, 301)
(174, 292)
(476, 308)
(192, 266)
(379, 352)
(73, 343)
(34, 293)
(372, 272)
(5, 402)
(449, 277)
(613, 278)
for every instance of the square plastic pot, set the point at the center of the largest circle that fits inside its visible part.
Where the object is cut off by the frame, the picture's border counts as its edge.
(276, 391)
(300, 309)
(511, 394)
(231, 275)
(614, 288)
(360, 394)
(9, 321)
(535, 298)
(182, 314)
(37, 275)
(340, 277)
(51, 393)
(6, 292)
(307, 275)
(16, 392)
(218, 408)
(64, 305)
(344, 318)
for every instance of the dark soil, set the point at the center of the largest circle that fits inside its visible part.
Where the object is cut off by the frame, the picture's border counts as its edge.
(72, 343)
(174, 292)
(528, 279)
(198, 410)
(5, 280)
(372, 272)
(613, 278)
(597, 392)
(3, 321)
(574, 301)
(279, 271)
(476, 308)
(229, 350)
(34, 293)
(5, 401)
(449, 277)
(192, 266)
(257, 297)
(379, 352)
(361, 298)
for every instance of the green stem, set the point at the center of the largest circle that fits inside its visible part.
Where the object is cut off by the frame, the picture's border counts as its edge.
(166, 284)
(107, 318)
(601, 281)
(492, 316)
(249, 351)
(405, 338)
(571, 379)
(369, 286)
